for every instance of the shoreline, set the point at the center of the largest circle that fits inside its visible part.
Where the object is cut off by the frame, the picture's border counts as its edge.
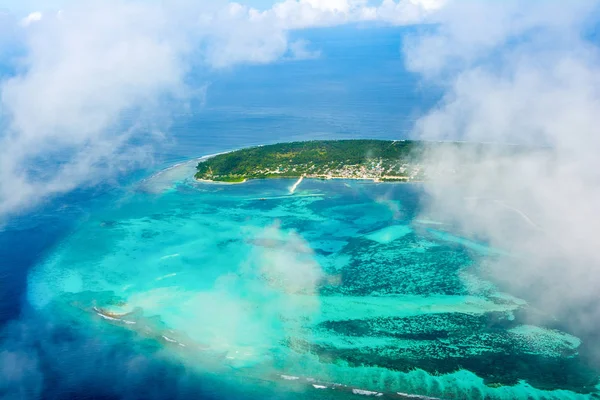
(206, 157)
(169, 167)
(373, 180)
(219, 182)
(383, 179)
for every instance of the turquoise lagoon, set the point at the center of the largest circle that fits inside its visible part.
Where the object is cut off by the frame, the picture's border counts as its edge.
(340, 289)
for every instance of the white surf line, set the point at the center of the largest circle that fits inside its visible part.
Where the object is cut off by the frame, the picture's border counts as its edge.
(287, 197)
(521, 213)
(160, 278)
(319, 385)
(503, 204)
(184, 162)
(293, 188)
(416, 396)
(168, 339)
(366, 392)
(167, 169)
(102, 314)
(290, 377)
(108, 317)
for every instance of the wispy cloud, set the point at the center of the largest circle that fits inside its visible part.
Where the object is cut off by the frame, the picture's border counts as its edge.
(298, 14)
(31, 18)
(85, 67)
(83, 70)
(300, 50)
(522, 72)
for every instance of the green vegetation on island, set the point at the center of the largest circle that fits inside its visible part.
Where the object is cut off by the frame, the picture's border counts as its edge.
(378, 160)
(352, 159)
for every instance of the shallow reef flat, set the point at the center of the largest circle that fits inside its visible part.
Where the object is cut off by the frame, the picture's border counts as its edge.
(341, 289)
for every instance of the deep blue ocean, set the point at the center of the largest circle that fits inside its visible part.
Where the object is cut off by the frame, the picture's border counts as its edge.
(155, 286)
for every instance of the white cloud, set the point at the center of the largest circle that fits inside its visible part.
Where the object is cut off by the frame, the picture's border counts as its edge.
(299, 14)
(522, 73)
(81, 74)
(92, 63)
(429, 5)
(408, 12)
(31, 18)
(299, 50)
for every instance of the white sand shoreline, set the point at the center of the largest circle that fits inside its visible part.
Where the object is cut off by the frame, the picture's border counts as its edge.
(219, 182)
(294, 187)
(374, 180)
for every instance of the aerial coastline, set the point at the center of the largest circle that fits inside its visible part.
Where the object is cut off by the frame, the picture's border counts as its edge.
(395, 161)
(375, 160)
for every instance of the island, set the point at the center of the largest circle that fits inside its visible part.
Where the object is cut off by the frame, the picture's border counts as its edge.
(378, 160)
